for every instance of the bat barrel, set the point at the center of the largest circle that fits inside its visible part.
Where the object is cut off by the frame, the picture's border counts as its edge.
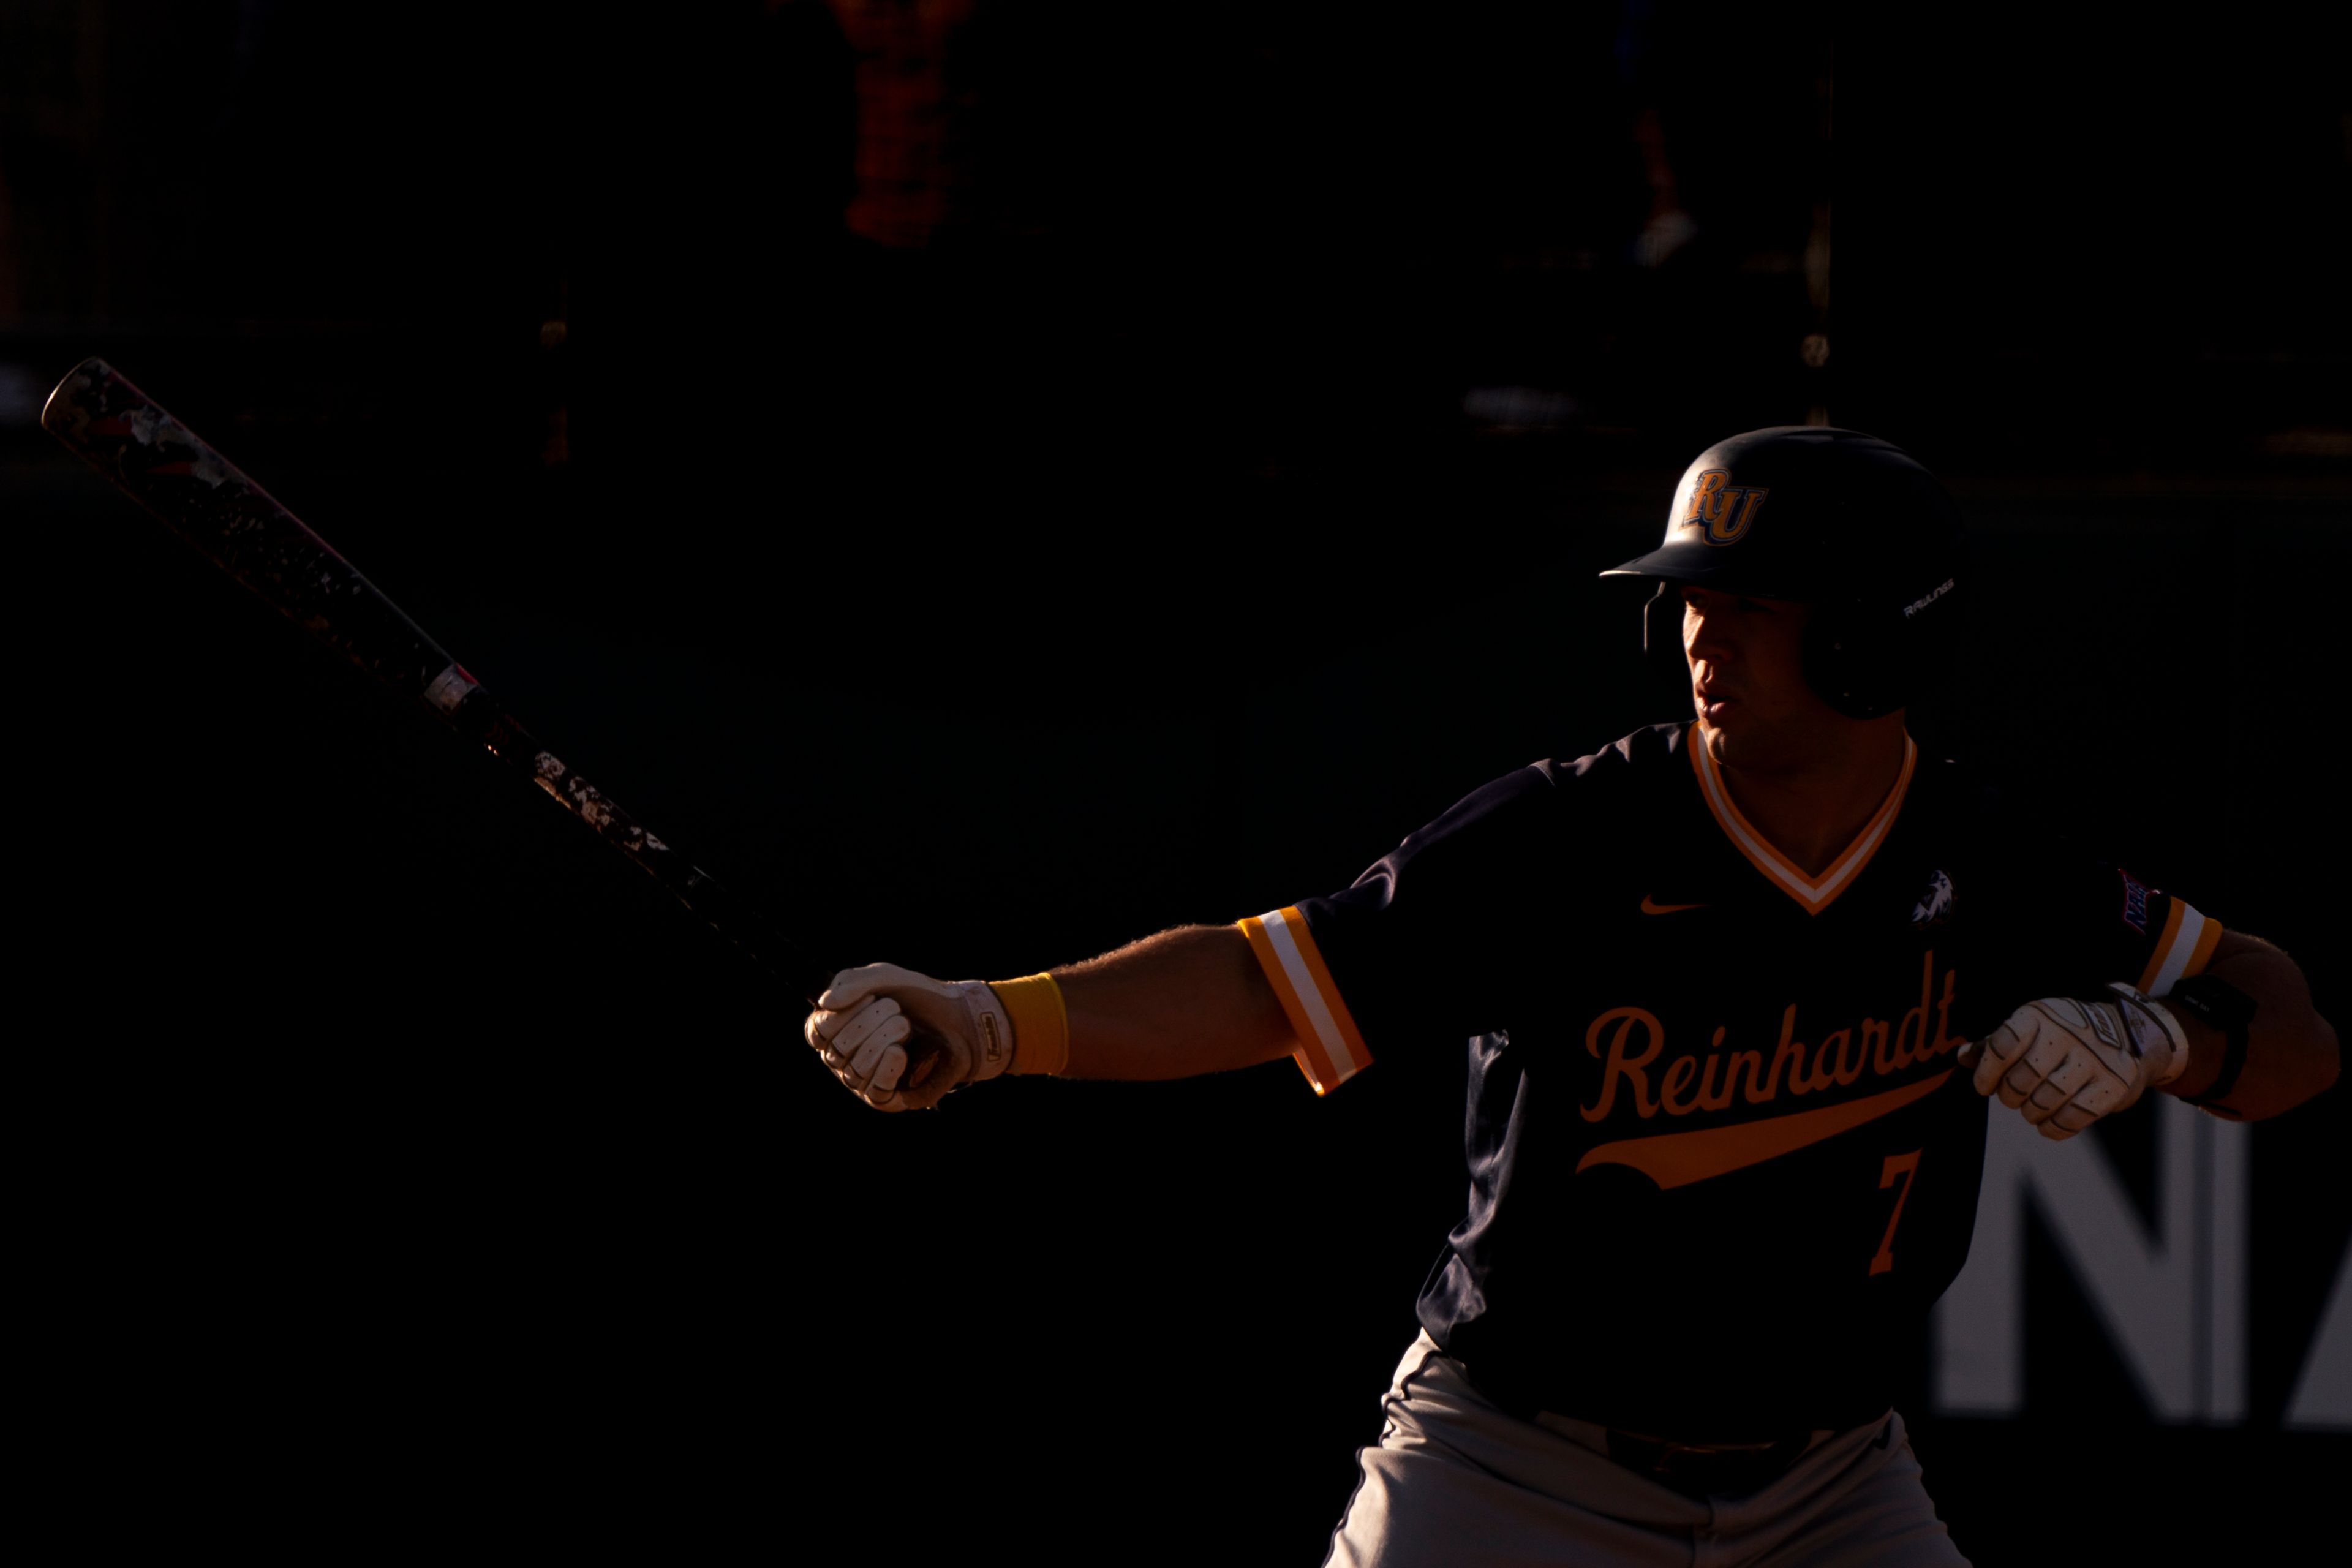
(213, 504)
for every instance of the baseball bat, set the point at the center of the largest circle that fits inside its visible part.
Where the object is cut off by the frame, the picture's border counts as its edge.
(211, 503)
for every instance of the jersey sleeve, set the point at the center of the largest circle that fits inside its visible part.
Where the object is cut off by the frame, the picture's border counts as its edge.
(2168, 936)
(1424, 944)
(2106, 924)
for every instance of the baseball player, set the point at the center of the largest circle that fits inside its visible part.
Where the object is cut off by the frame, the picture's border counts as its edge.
(1737, 992)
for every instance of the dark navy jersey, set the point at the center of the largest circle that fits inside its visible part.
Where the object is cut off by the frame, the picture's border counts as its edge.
(1721, 1157)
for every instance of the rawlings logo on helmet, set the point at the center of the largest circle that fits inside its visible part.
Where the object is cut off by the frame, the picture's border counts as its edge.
(1918, 605)
(1725, 509)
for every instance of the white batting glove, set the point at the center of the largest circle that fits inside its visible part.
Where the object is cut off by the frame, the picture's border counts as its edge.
(900, 1041)
(2065, 1063)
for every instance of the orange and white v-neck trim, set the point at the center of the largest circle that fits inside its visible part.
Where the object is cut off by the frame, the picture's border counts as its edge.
(1815, 893)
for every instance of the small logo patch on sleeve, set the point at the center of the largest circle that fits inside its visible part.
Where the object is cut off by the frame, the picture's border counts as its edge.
(2135, 894)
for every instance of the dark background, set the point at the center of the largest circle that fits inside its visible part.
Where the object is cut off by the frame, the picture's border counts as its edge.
(994, 480)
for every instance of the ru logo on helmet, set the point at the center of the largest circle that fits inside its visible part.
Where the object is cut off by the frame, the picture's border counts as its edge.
(1724, 508)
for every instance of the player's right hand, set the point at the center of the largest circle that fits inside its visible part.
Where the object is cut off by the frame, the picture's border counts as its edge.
(901, 1041)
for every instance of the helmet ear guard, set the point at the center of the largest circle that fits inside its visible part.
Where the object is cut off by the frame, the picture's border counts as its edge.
(1868, 659)
(1856, 661)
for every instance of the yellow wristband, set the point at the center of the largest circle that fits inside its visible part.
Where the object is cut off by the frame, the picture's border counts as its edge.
(1041, 1024)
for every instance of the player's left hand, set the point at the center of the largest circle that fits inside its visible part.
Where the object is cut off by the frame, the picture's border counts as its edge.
(2065, 1062)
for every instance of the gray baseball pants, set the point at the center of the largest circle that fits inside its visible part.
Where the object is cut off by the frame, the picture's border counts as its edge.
(1455, 1481)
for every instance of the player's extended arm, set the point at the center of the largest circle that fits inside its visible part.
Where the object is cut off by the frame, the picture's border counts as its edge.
(1185, 1002)
(2291, 1052)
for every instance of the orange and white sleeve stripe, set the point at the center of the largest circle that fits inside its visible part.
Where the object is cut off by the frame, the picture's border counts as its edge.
(1330, 1051)
(2182, 949)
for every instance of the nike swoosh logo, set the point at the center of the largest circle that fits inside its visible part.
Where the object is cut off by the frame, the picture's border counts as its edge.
(1678, 1159)
(1649, 908)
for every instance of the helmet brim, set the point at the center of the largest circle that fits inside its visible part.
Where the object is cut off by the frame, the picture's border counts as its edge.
(1688, 560)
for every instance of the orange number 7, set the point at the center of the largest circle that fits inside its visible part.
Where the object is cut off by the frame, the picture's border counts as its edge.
(1907, 1167)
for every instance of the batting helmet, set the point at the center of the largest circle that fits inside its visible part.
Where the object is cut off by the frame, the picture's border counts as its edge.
(1840, 520)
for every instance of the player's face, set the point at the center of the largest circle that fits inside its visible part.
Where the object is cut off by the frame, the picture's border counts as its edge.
(1746, 667)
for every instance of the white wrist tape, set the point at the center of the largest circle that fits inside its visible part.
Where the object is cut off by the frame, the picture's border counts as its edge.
(991, 1033)
(2156, 1034)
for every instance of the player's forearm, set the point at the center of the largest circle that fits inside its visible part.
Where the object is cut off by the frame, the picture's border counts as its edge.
(2291, 1050)
(1185, 1002)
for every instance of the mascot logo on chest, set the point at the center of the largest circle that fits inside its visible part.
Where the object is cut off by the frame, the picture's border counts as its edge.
(1934, 905)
